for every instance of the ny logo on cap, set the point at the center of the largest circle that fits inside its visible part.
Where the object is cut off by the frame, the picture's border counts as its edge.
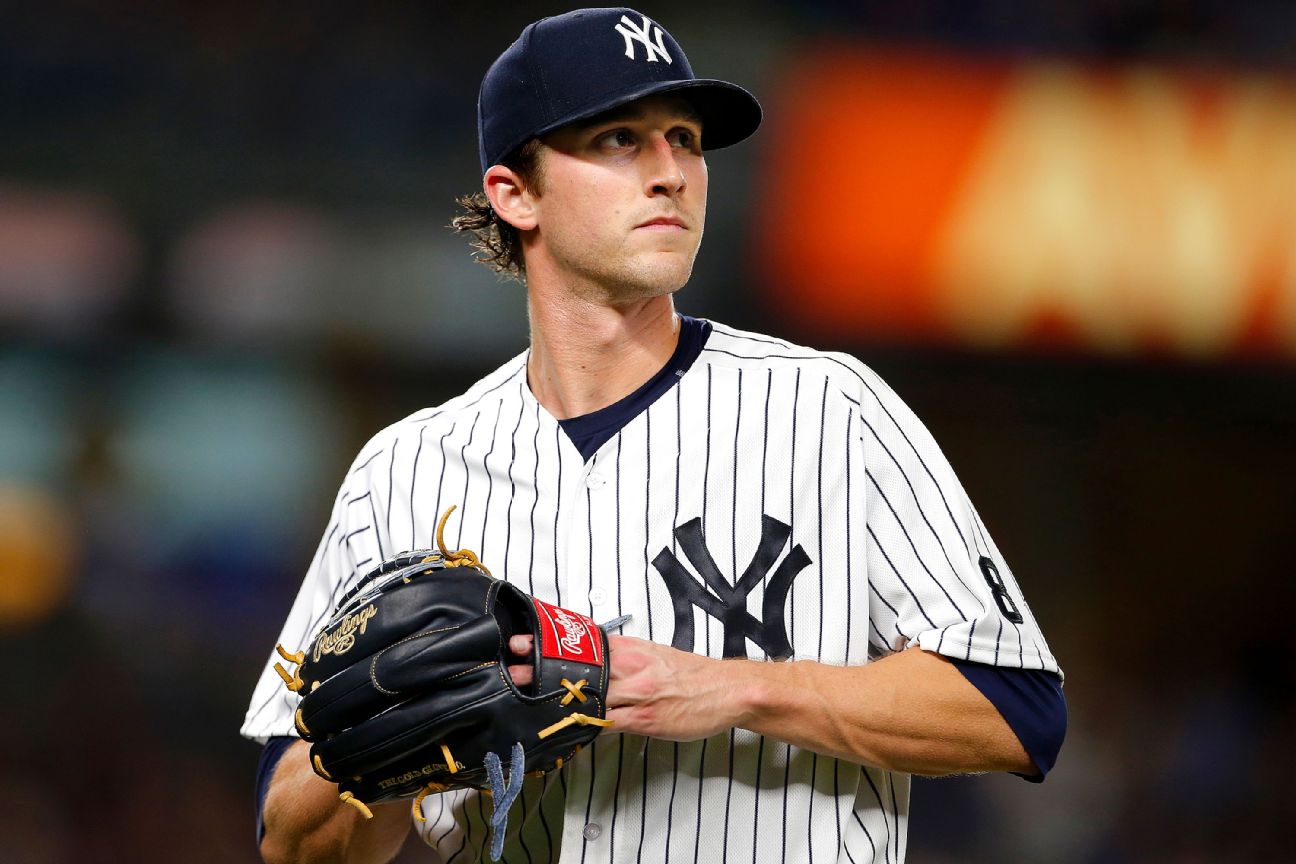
(639, 33)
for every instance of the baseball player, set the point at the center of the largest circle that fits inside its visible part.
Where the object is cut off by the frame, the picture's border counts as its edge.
(816, 610)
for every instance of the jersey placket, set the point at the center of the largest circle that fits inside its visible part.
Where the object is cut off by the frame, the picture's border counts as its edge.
(587, 522)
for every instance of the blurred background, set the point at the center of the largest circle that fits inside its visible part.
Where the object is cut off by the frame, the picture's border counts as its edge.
(1065, 232)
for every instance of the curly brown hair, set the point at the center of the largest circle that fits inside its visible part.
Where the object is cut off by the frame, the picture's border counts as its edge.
(495, 242)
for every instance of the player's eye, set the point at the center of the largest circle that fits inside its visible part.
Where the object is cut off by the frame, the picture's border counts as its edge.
(685, 138)
(617, 138)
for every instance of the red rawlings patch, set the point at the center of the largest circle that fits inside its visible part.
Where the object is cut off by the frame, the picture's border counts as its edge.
(568, 635)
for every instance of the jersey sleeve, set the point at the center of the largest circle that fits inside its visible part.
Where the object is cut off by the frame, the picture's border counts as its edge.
(353, 543)
(936, 579)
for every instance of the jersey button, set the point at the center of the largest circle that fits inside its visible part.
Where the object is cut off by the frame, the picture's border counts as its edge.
(592, 831)
(598, 596)
(596, 481)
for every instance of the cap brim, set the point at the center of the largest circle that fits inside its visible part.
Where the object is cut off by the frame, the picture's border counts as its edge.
(728, 112)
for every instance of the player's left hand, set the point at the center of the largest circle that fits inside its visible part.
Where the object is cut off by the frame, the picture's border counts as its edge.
(662, 692)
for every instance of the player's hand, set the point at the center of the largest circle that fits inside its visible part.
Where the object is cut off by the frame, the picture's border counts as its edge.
(660, 691)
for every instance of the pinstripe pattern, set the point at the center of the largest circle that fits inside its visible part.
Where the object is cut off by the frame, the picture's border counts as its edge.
(756, 428)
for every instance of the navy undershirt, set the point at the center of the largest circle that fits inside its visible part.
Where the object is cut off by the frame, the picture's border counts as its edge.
(1032, 703)
(1030, 700)
(589, 432)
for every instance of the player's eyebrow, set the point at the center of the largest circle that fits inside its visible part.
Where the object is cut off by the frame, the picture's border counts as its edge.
(634, 111)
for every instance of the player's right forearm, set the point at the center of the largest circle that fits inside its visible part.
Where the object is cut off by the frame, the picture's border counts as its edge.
(305, 821)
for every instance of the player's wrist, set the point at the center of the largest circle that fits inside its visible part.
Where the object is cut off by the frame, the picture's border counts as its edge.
(756, 692)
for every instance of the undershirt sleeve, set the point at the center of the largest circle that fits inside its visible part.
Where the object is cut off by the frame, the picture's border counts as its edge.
(271, 753)
(1032, 703)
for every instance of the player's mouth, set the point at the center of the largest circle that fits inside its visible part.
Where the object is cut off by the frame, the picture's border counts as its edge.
(664, 223)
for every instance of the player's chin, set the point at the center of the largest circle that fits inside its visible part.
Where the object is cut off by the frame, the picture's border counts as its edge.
(656, 282)
(668, 269)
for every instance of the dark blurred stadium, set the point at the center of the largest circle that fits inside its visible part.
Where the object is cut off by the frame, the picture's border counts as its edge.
(1064, 232)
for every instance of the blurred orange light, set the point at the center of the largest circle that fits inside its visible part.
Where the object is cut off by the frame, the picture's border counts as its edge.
(37, 549)
(930, 198)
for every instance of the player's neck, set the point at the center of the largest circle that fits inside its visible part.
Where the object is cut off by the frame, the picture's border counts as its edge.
(585, 356)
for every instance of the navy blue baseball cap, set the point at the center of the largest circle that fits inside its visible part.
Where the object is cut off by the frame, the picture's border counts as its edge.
(573, 66)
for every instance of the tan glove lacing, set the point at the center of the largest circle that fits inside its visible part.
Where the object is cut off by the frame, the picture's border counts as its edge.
(460, 557)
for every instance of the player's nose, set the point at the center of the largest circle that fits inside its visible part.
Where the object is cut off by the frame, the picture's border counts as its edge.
(666, 175)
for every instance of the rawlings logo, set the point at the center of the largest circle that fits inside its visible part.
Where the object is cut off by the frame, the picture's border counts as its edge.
(343, 638)
(567, 635)
(573, 631)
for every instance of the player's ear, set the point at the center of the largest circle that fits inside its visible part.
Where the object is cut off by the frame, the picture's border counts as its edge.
(509, 197)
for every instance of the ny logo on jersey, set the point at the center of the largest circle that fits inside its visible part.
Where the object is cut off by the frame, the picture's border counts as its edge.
(728, 602)
(639, 33)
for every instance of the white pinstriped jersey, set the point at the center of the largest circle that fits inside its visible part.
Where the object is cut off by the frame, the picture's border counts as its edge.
(793, 484)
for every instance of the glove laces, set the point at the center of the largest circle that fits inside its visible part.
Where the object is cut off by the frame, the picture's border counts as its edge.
(459, 557)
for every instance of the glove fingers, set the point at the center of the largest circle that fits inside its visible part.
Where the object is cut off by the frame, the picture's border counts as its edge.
(411, 735)
(431, 600)
(422, 723)
(407, 666)
(390, 677)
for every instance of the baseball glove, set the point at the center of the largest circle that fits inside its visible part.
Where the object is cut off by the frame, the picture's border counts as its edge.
(406, 690)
